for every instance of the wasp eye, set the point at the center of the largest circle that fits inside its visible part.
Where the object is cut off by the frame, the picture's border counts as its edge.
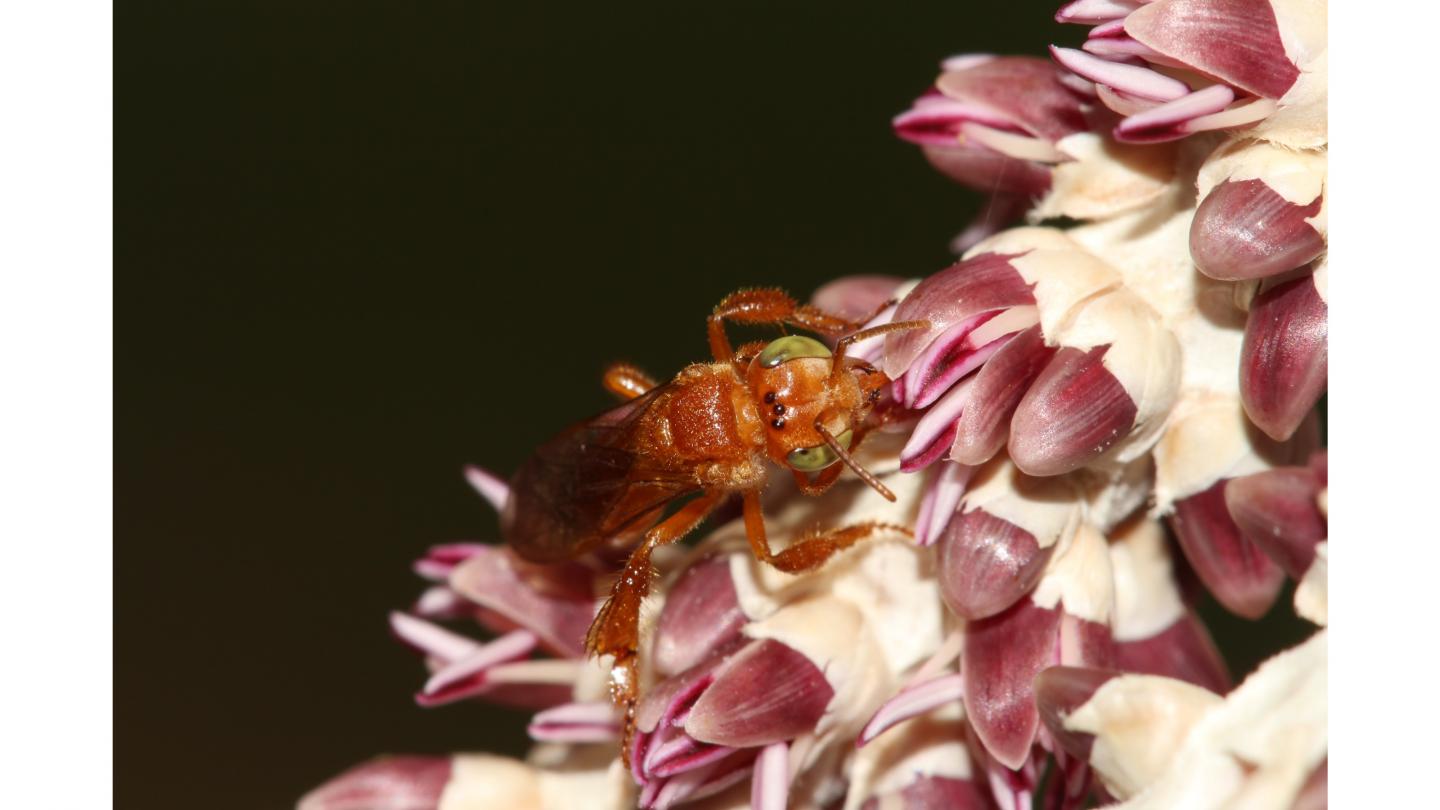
(789, 348)
(810, 459)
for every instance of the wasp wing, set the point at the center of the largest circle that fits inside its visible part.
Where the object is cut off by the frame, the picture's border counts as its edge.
(590, 483)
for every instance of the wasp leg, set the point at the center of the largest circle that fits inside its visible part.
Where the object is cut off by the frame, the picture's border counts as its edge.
(616, 629)
(807, 553)
(767, 306)
(627, 381)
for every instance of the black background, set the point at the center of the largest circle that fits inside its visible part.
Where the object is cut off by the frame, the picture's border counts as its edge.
(365, 243)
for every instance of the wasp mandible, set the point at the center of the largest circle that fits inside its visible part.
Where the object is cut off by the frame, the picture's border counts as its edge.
(711, 432)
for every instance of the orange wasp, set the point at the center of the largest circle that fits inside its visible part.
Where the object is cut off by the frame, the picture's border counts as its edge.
(711, 431)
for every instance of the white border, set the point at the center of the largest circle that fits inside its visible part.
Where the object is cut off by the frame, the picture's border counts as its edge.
(56, 558)
(56, 354)
(1384, 366)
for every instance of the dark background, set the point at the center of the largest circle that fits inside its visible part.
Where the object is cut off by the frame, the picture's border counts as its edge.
(365, 243)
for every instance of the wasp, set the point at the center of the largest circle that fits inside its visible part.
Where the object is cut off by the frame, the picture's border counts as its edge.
(712, 432)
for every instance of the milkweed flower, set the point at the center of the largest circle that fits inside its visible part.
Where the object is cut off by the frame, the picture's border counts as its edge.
(1285, 512)
(1161, 743)
(763, 675)
(1030, 136)
(1093, 427)
(995, 123)
(1156, 632)
(554, 779)
(1034, 344)
(926, 763)
(538, 613)
(1177, 67)
(1262, 222)
(528, 621)
(1284, 367)
(1209, 445)
(1262, 210)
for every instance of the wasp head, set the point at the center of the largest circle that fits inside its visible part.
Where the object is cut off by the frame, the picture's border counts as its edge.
(803, 393)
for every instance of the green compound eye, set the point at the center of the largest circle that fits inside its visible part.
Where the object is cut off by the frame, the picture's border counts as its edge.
(810, 459)
(789, 348)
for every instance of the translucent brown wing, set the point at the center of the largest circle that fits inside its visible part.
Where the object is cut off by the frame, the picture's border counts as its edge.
(589, 484)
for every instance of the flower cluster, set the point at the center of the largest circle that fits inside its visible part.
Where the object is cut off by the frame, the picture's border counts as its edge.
(1088, 419)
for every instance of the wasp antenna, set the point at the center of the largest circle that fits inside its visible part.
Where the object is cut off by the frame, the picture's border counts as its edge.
(865, 334)
(865, 475)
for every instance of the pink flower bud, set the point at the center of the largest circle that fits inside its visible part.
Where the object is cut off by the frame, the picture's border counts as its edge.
(388, 783)
(1284, 365)
(1242, 63)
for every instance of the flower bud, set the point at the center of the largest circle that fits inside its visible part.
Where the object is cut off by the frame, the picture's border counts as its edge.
(468, 782)
(701, 727)
(1242, 64)
(1207, 444)
(926, 764)
(1284, 364)
(984, 425)
(556, 602)
(1278, 511)
(1064, 621)
(956, 302)
(856, 297)
(992, 123)
(1000, 541)
(1241, 576)
(1156, 633)
(401, 783)
(1283, 512)
(1108, 369)
(1117, 371)
(701, 613)
(1261, 211)
(1129, 727)
(1158, 744)
(530, 606)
